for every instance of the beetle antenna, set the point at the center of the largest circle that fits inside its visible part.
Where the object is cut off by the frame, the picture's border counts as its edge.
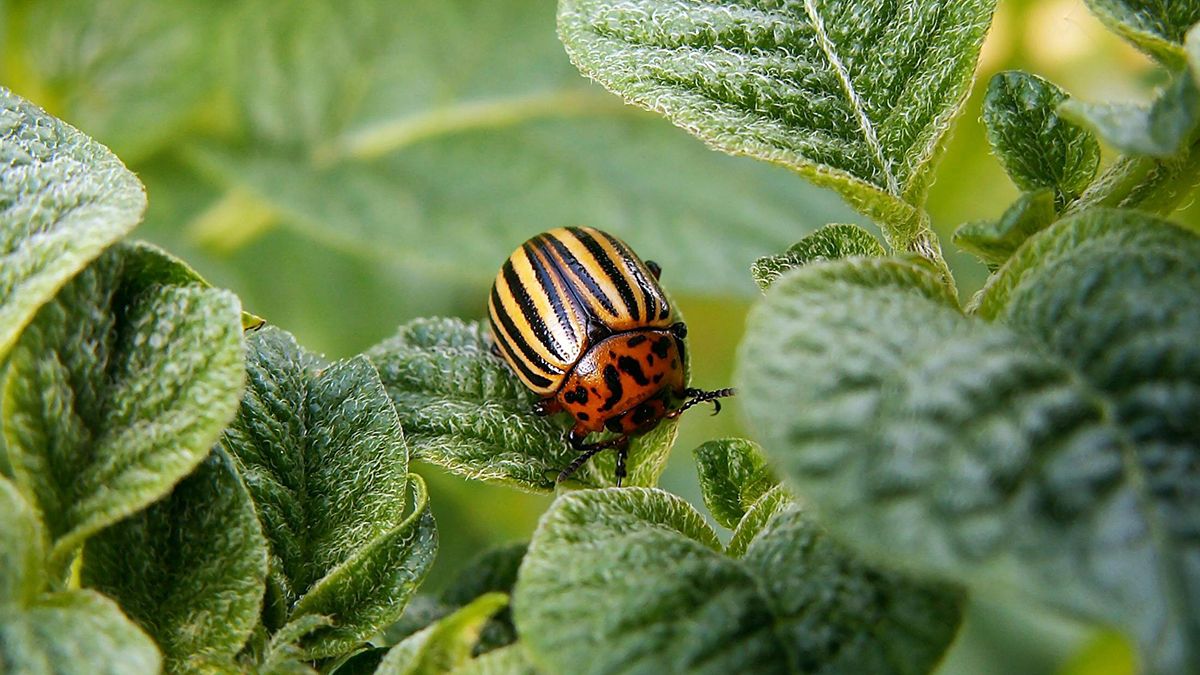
(698, 396)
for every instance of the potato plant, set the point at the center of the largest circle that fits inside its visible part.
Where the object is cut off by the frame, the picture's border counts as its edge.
(186, 488)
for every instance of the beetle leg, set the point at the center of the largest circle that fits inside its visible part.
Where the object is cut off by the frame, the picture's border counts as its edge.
(701, 396)
(546, 406)
(589, 450)
(622, 454)
(574, 466)
(654, 268)
(495, 348)
(678, 329)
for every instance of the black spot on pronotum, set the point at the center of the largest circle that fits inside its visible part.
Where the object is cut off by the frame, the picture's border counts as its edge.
(643, 414)
(658, 378)
(613, 380)
(662, 347)
(635, 340)
(674, 364)
(631, 367)
(583, 416)
(576, 395)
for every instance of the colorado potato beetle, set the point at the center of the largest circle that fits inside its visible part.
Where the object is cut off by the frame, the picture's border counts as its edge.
(584, 324)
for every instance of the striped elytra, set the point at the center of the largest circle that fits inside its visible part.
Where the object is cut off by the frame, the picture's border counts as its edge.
(582, 321)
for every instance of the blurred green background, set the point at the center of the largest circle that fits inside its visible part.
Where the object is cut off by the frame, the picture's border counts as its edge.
(347, 166)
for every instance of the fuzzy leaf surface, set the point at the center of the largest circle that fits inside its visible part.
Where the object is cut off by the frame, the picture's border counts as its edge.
(116, 391)
(65, 198)
(510, 660)
(324, 458)
(993, 242)
(73, 632)
(1164, 129)
(464, 410)
(1038, 148)
(974, 451)
(21, 575)
(191, 569)
(447, 644)
(1157, 28)
(733, 475)
(828, 243)
(855, 96)
(678, 604)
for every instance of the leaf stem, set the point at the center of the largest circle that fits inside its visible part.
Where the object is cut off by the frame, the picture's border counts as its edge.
(1145, 183)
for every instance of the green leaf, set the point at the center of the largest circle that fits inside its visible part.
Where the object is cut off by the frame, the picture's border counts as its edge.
(994, 242)
(65, 199)
(1157, 28)
(771, 503)
(325, 461)
(1164, 129)
(440, 136)
(445, 645)
(733, 476)
(73, 632)
(633, 580)
(21, 548)
(854, 96)
(828, 243)
(132, 73)
(972, 452)
(464, 410)
(191, 569)
(510, 660)
(490, 572)
(116, 391)
(1038, 148)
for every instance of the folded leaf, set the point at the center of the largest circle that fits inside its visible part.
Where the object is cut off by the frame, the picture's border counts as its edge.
(633, 579)
(510, 660)
(828, 243)
(447, 644)
(1157, 28)
(117, 390)
(464, 410)
(974, 452)
(733, 476)
(1164, 129)
(325, 461)
(73, 632)
(1038, 148)
(21, 554)
(65, 199)
(190, 569)
(993, 242)
(854, 95)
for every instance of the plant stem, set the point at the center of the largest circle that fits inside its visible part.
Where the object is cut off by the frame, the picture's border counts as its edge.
(1145, 183)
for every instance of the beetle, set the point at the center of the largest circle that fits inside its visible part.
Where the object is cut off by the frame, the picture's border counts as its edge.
(585, 325)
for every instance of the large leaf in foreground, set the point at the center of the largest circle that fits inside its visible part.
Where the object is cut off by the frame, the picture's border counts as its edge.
(117, 390)
(325, 461)
(190, 569)
(463, 409)
(854, 95)
(73, 632)
(633, 579)
(974, 452)
(64, 198)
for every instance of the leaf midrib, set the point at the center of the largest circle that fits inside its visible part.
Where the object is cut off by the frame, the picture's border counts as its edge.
(864, 121)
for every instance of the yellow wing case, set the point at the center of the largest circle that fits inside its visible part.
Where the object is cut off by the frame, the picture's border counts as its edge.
(559, 291)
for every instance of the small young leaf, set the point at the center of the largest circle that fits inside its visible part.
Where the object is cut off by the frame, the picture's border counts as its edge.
(733, 476)
(493, 571)
(464, 410)
(854, 95)
(828, 243)
(634, 580)
(74, 632)
(117, 389)
(1157, 28)
(445, 645)
(190, 569)
(65, 199)
(771, 503)
(21, 576)
(325, 461)
(1038, 148)
(973, 452)
(1164, 129)
(994, 242)
(510, 660)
